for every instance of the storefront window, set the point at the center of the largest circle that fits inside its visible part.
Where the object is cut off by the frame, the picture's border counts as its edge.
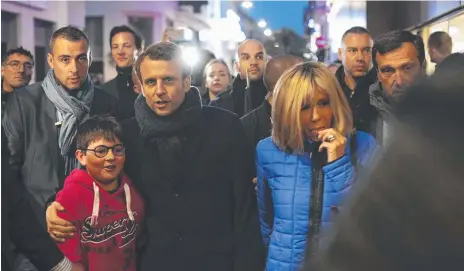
(456, 31)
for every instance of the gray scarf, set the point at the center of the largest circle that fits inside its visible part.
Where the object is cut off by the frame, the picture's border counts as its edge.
(73, 111)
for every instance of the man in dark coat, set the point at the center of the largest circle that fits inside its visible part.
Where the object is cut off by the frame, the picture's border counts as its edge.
(356, 75)
(126, 44)
(41, 120)
(248, 89)
(20, 226)
(399, 58)
(17, 68)
(191, 164)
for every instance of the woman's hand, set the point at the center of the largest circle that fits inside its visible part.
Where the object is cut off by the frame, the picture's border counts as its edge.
(335, 148)
(59, 229)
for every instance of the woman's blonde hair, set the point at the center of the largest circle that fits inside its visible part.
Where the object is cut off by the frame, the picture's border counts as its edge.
(291, 93)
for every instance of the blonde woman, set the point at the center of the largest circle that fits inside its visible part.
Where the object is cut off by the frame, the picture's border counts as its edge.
(306, 168)
(217, 80)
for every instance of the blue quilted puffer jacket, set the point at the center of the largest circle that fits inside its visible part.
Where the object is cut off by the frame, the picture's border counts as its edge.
(284, 187)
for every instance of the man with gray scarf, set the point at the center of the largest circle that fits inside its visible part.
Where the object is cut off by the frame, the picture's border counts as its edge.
(41, 120)
(399, 58)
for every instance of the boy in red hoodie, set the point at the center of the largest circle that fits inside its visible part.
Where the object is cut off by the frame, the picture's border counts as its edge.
(100, 200)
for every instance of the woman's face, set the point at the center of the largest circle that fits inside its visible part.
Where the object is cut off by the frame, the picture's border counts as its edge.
(217, 78)
(316, 115)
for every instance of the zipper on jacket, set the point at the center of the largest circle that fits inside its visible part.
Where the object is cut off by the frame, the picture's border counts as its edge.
(315, 209)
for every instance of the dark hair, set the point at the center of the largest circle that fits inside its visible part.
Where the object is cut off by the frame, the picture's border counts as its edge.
(69, 33)
(407, 215)
(394, 40)
(95, 128)
(356, 30)
(20, 50)
(139, 42)
(163, 51)
(440, 41)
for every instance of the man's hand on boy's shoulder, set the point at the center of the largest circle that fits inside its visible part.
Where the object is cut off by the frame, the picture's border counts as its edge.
(59, 229)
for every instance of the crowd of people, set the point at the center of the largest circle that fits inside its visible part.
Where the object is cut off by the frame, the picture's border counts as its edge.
(286, 165)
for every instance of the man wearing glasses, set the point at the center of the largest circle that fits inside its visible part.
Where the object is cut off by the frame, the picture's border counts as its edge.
(16, 71)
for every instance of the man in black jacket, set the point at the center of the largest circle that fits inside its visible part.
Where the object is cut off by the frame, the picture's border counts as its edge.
(399, 58)
(191, 164)
(41, 120)
(356, 75)
(257, 123)
(126, 44)
(17, 68)
(248, 89)
(20, 226)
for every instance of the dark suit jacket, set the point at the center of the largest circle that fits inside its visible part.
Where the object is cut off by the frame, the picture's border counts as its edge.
(20, 225)
(29, 124)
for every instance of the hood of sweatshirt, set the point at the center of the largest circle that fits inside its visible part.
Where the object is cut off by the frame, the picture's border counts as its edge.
(83, 178)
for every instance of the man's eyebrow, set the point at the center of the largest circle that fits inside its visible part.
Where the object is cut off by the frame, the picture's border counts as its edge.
(244, 54)
(388, 66)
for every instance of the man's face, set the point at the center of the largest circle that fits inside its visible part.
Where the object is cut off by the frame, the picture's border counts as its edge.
(252, 58)
(123, 49)
(70, 62)
(17, 70)
(398, 69)
(355, 54)
(163, 85)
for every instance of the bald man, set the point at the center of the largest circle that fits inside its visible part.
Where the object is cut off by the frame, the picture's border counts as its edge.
(257, 123)
(246, 95)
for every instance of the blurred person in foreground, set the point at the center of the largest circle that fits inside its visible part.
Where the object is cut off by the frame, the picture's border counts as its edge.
(308, 166)
(407, 214)
(217, 78)
(399, 58)
(356, 75)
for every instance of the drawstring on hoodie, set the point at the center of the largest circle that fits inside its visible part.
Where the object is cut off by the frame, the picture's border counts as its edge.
(96, 204)
(128, 202)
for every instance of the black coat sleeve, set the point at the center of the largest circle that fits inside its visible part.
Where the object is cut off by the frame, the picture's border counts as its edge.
(13, 129)
(20, 223)
(249, 248)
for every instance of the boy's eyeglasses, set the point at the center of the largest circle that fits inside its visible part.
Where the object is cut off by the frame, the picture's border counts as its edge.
(101, 151)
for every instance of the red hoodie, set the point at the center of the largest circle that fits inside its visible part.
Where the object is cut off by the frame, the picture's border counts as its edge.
(107, 227)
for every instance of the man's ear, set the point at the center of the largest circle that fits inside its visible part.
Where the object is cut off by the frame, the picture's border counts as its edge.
(50, 60)
(340, 53)
(187, 82)
(2, 70)
(90, 58)
(81, 157)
